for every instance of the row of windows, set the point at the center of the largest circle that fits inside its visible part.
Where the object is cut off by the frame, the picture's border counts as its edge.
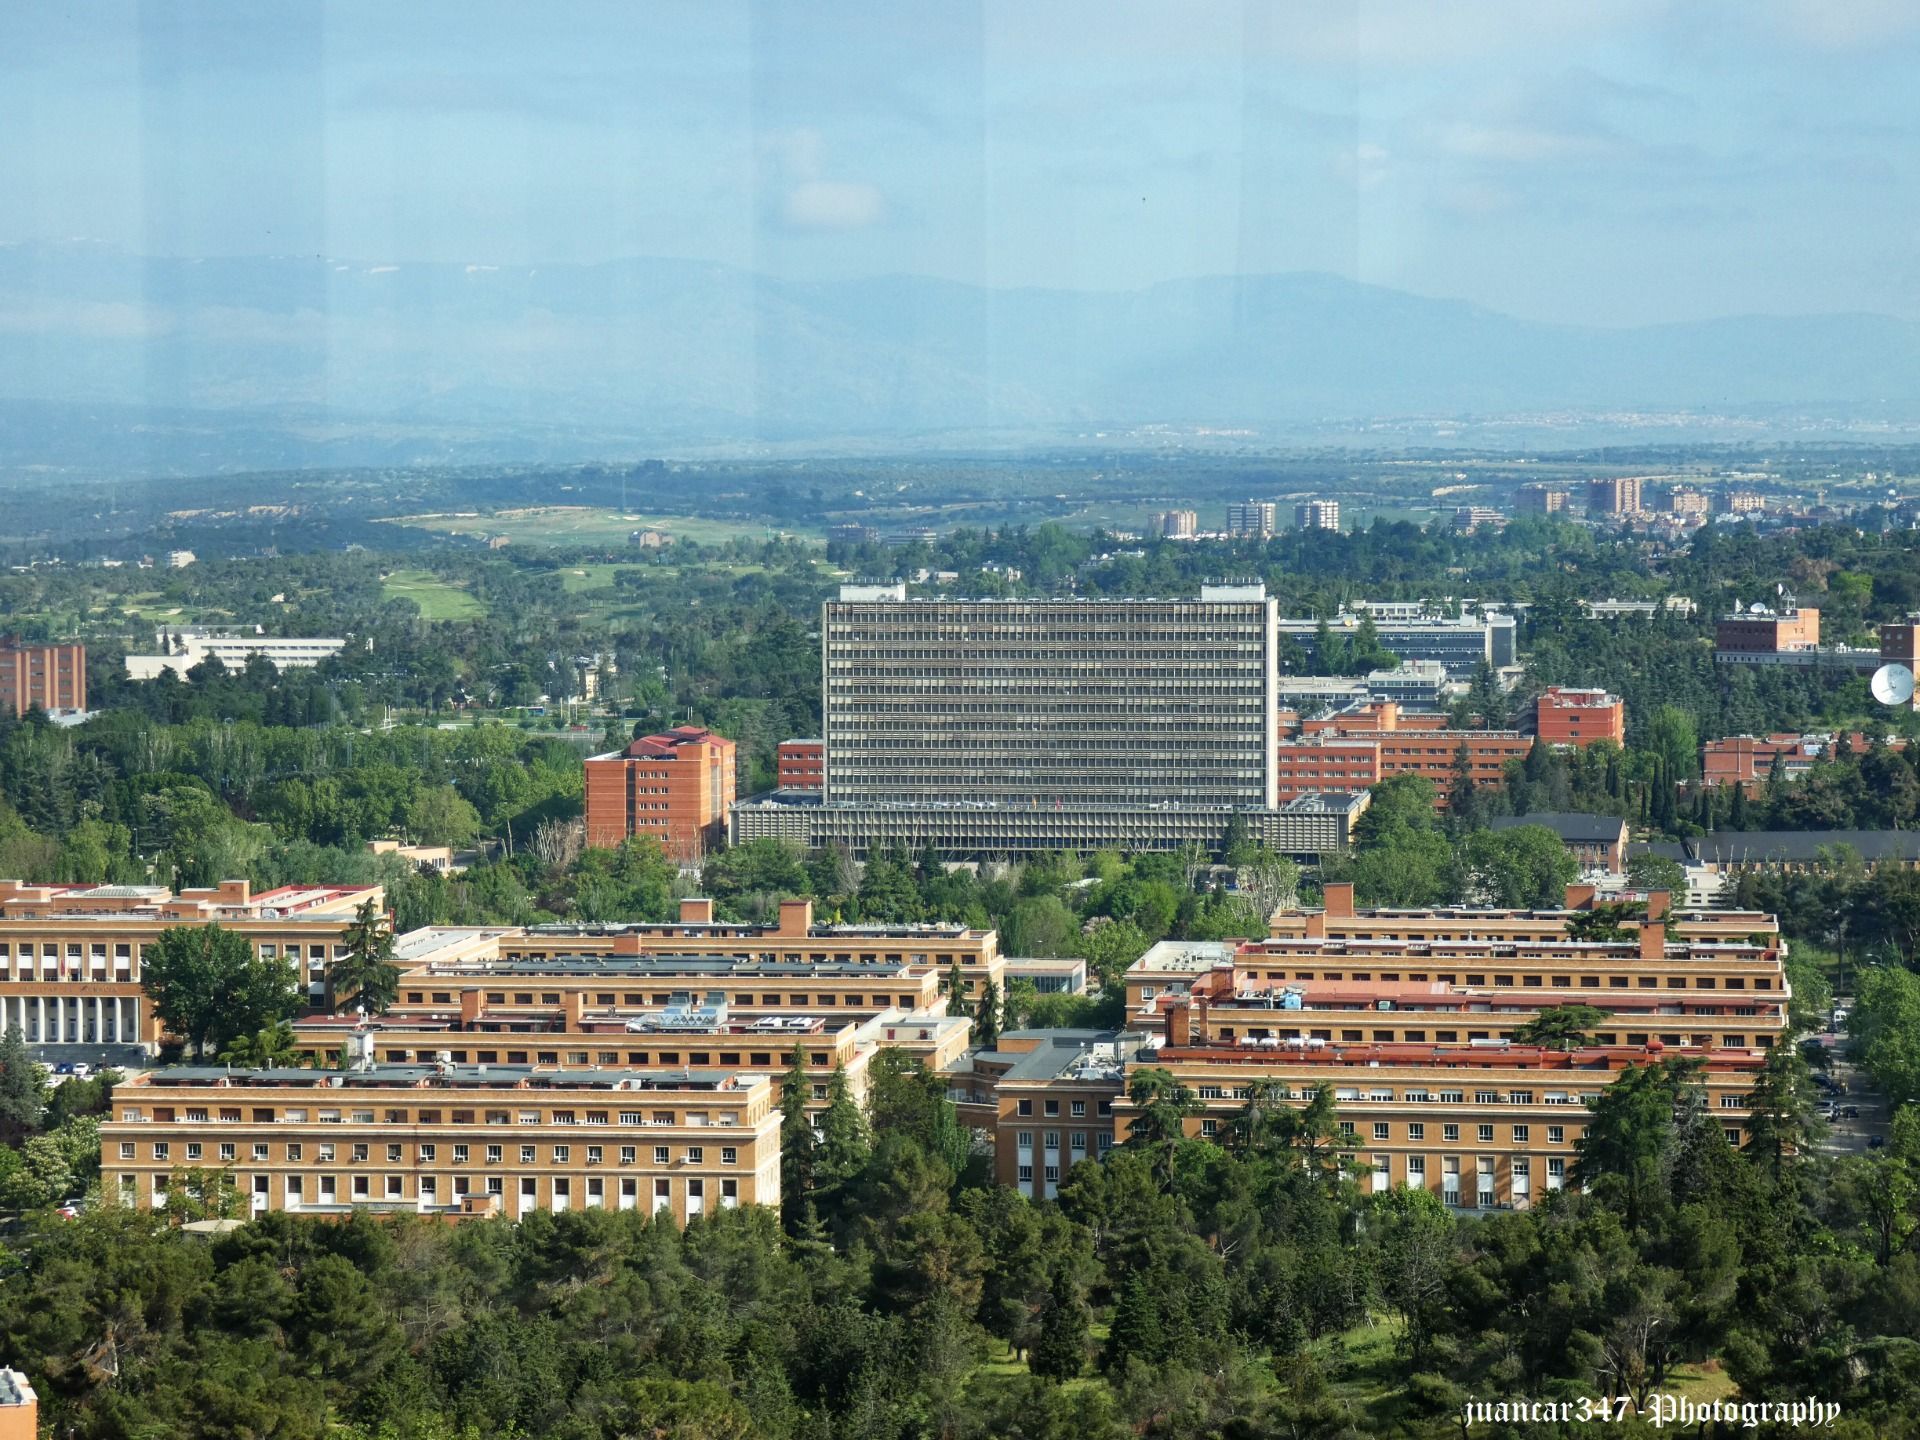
(326, 1152)
(1560, 982)
(828, 999)
(328, 1115)
(1076, 1108)
(1452, 1037)
(1076, 1139)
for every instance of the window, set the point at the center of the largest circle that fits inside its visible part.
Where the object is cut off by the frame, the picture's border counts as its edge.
(1556, 1134)
(427, 1153)
(1416, 1131)
(393, 1154)
(126, 1149)
(493, 1154)
(1381, 1129)
(1520, 1134)
(563, 1154)
(1026, 1174)
(1449, 1133)
(460, 1154)
(526, 1154)
(1486, 1134)
(729, 1155)
(660, 1155)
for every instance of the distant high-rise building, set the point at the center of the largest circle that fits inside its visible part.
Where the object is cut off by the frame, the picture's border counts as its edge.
(1541, 499)
(1743, 502)
(1618, 495)
(1317, 515)
(1251, 518)
(1177, 524)
(1686, 502)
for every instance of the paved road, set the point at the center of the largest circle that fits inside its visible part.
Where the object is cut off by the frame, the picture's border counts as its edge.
(1849, 1137)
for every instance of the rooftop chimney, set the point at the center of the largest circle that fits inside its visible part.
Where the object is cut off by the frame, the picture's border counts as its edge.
(1337, 899)
(1653, 940)
(1179, 1024)
(696, 910)
(1659, 903)
(796, 919)
(1580, 897)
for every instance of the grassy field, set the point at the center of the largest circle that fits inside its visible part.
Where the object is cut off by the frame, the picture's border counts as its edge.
(438, 599)
(581, 525)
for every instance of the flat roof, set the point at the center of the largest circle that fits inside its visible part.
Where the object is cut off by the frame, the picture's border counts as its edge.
(643, 966)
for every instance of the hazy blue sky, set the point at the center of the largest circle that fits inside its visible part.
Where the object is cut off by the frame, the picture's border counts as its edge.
(1627, 161)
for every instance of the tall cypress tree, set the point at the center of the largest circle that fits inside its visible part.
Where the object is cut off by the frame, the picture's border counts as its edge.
(986, 1023)
(798, 1158)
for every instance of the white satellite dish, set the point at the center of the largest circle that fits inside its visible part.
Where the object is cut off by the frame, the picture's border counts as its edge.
(1892, 685)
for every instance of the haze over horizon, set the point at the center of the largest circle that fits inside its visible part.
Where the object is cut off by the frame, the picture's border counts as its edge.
(749, 222)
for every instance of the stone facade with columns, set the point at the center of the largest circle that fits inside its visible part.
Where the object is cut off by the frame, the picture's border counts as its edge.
(70, 955)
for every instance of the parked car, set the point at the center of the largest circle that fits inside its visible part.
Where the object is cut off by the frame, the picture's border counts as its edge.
(65, 1067)
(1850, 1112)
(80, 1070)
(1825, 1082)
(1876, 1142)
(71, 1209)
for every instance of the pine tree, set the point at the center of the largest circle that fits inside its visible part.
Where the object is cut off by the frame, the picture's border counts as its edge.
(986, 1024)
(1737, 812)
(956, 990)
(1060, 1350)
(798, 1146)
(366, 971)
(23, 1088)
(1138, 1329)
(845, 1140)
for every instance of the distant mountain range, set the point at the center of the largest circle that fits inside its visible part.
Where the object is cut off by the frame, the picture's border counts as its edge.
(109, 360)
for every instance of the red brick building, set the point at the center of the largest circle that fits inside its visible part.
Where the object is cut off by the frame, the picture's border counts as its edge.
(801, 764)
(52, 677)
(1767, 632)
(1352, 750)
(1564, 716)
(675, 787)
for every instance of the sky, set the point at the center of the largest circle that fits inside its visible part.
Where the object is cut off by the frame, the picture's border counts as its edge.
(1626, 162)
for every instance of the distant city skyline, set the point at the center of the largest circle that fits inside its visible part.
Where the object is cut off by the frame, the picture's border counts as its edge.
(1631, 163)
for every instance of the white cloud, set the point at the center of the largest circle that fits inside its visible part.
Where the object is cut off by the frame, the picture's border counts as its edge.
(834, 205)
(804, 195)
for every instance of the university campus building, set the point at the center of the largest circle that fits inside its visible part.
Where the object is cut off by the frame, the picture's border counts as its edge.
(449, 1139)
(70, 955)
(1410, 1017)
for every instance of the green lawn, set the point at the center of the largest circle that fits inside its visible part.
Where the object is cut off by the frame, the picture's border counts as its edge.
(582, 524)
(438, 599)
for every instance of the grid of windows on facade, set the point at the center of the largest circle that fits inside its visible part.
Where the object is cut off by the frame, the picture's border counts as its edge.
(1049, 702)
